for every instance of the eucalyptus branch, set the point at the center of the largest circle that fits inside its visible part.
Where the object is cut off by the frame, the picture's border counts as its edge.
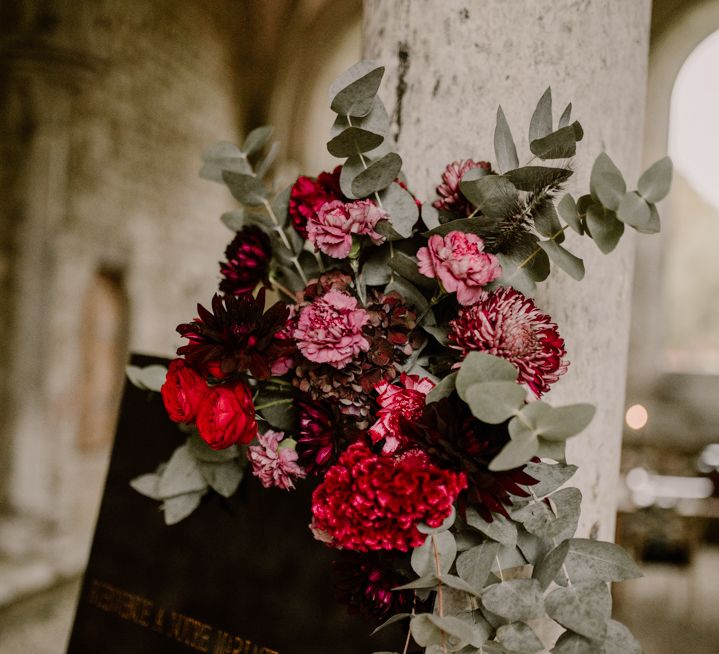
(432, 303)
(285, 240)
(359, 285)
(440, 598)
(554, 540)
(537, 250)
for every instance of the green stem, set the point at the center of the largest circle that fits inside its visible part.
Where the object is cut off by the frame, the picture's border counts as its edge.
(440, 599)
(432, 303)
(536, 251)
(288, 400)
(285, 240)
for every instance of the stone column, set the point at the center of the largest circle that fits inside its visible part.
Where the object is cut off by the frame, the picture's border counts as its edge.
(449, 64)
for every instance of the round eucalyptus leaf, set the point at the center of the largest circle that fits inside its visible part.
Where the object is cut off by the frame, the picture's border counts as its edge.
(655, 182)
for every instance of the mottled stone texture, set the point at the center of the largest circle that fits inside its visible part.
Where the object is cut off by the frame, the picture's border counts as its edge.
(449, 64)
(106, 107)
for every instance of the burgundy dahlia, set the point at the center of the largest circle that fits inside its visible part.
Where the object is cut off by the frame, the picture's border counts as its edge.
(365, 582)
(323, 432)
(507, 324)
(450, 195)
(238, 335)
(454, 439)
(248, 261)
(374, 502)
(309, 194)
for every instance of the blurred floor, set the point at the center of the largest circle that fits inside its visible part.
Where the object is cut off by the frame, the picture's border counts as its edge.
(670, 610)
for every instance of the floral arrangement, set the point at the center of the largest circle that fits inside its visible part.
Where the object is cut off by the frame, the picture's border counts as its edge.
(401, 372)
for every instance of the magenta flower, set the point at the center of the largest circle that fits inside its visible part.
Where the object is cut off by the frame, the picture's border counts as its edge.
(507, 324)
(330, 230)
(403, 400)
(459, 262)
(450, 195)
(274, 461)
(330, 329)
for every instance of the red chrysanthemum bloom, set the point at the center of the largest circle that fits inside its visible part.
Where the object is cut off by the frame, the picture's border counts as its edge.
(403, 400)
(248, 261)
(372, 502)
(507, 324)
(450, 196)
(309, 194)
(238, 335)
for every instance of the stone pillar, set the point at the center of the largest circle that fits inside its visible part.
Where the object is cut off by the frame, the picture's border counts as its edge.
(449, 64)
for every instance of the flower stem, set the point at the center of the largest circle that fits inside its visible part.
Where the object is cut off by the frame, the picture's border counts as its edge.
(433, 302)
(266, 405)
(285, 240)
(440, 598)
(359, 285)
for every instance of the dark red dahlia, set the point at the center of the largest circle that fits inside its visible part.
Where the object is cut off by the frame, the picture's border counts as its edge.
(365, 582)
(238, 335)
(373, 502)
(309, 194)
(450, 195)
(323, 432)
(248, 261)
(454, 439)
(392, 336)
(507, 324)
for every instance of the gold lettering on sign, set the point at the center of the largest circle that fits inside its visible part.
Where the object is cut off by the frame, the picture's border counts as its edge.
(184, 629)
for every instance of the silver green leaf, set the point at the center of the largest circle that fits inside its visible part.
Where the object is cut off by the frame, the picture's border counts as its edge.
(584, 607)
(147, 485)
(376, 270)
(403, 210)
(535, 178)
(568, 262)
(430, 216)
(548, 567)
(397, 617)
(566, 116)
(378, 175)
(444, 389)
(223, 478)
(604, 227)
(518, 638)
(353, 140)
(570, 643)
(496, 401)
(593, 559)
(603, 165)
(223, 156)
(475, 564)
(482, 367)
(495, 195)
(504, 149)
(179, 507)
(550, 475)
(560, 144)
(256, 139)
(500, 529)
(655, 182)
(633, 210)
(620, 640)
(246, 189)
(516, 599)
(567, 209)
(561, 422)
(350, 169)
(201, 451)
(541, 122)
(515, 453)
(354, 91)
(423, 557)
(181, 475)
(147, 378)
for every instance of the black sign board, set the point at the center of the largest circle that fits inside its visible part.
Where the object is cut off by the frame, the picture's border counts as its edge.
(239, 576)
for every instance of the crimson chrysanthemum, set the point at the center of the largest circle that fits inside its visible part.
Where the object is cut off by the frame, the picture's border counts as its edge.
(450, 195)
(372, 502)
(454, 439)
(248, 261)
(238, 335)
(507, 324)
(308, 194)
(365, 582)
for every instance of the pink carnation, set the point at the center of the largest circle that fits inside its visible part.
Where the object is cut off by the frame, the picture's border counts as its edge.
(373, 502)
(330, 329)
(274, 465)
(403, 400)
(460, 263)
(331, 228)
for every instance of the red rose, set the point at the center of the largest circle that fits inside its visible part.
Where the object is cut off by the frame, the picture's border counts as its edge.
(183, 391)
(227, 416)
(309, 194)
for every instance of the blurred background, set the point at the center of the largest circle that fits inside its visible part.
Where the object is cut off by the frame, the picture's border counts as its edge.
(108, 238)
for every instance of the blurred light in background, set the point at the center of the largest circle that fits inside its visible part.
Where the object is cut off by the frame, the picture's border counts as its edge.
(636, 416)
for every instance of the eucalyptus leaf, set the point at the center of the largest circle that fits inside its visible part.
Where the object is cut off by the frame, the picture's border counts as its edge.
(559, 423)
(397, 617)
(277, 408)
(653, 225)
(500, 529)
(610, 189)
(354, 91)
(548, 567)
(568, 262)
(655, 182)
(201, 451)
(179, 507)
(444, 389)
(428, 581)
(223, 156)
(402, 208)
(246, 189)
(604, 227)
(457, 583)
(461, 632)
(514, 454)
(603, 165)
(518, 638)
(495, 195)
(376, 270)
(147, 485)
(496, 401)
(350, 169)
(541, 122)
(475, 564)
(571, 643)
(633, 210)
(516, 599)
(410, 293)
(430, 216)
(504, 149)
(443, 546)
(550, 475)
(223, 478)
(567, 209)
(584, 607)
(593, 559)
(560, 144)
(353, 140)
(376, 121)
(620, 640)
(566, 116)
(482, 367)
(516, 277)
(475, 225)
(233, 220)
(547, 222)
(378, 175)
(181, 475)
(535, 178)
(264, 164)
(406, 266)
(538, 267)
(147, 378)
(280, 206)
(556, 450)
(256, 139)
